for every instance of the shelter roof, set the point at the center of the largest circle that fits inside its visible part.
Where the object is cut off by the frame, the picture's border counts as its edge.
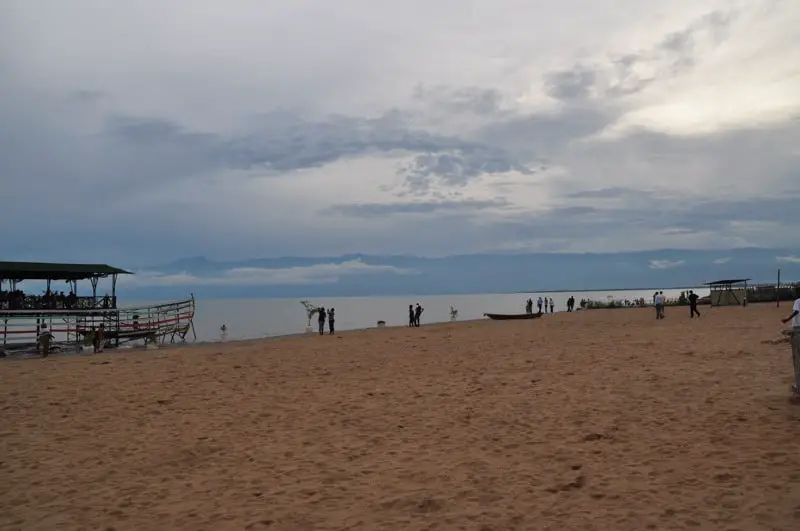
(727, 282)
(52, 271)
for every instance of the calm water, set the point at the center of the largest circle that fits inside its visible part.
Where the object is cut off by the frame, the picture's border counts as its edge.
(256, 318)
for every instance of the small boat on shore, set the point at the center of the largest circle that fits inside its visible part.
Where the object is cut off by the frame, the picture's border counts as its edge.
(511, 316)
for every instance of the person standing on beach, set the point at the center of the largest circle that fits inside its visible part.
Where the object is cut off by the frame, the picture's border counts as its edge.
(552, 305)
(412, 321)
(529, 307)
(331, 320)
(321, 320)
(794, 339)
(539, 304)
(659, 301)
(417, 314)
(693, 304)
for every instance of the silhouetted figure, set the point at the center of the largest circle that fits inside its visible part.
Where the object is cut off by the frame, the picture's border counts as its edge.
(331, 320)
(693, 304)
(529, 306)
(411, 320)
(100, 338)
(321, 320)
(539, 304)
(417, 314)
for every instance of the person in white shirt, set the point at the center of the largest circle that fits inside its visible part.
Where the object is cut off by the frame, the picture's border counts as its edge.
(659, 300)
(794, 338)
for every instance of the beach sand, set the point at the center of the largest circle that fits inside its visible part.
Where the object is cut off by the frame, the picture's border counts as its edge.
(604, 419)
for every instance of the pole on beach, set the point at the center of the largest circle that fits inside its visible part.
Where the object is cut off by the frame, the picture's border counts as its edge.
(778, 291)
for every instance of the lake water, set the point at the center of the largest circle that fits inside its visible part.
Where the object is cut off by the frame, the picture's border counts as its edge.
(257, 318)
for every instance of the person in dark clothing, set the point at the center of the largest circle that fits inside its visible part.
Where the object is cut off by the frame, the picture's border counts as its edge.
(693, 304)
(417, 314)
(331, 320)
(411, 319)
(321, 320)
(529, 306)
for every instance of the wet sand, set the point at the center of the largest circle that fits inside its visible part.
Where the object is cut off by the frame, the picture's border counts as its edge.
(605, 419)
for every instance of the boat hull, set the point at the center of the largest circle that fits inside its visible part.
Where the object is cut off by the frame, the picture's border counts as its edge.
(511, 316)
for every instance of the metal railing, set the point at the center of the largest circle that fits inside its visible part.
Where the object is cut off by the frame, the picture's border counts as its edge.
(162, 323)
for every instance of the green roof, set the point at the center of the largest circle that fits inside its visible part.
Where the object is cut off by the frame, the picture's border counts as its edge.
(727, 282)
(45, 271)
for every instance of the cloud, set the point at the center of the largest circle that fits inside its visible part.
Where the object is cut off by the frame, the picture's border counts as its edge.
(374, 210)
(720, 261)
(789, 259)
(665, 264)
(327, 273)
(483, 129)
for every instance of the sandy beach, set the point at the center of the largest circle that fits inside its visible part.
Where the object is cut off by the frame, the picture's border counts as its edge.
(604, 419)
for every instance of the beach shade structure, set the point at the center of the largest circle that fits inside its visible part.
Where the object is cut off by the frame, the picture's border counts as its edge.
(23, 314)
(728, 292)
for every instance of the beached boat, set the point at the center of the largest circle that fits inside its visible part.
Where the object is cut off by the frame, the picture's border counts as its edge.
(511, 316)
(73, 319)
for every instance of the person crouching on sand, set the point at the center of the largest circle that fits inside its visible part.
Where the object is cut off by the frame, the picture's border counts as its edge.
(331, 320)
(794, 339)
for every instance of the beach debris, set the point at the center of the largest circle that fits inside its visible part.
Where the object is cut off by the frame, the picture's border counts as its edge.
(429, 505)
(575, 484)
(596, 437)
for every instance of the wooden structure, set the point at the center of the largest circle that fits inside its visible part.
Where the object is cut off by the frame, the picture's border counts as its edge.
(17, 272)
(72, 318)
(728, 292)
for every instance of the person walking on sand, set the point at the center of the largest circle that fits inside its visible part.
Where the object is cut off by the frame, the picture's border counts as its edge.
(100, 338)
(659, 301)
(331, 320)
(321, 320)
(693, 304)
(45, 341)
(794, 339)
(417, 314)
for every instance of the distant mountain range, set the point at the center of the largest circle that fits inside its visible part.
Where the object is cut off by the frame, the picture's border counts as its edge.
(364, 275)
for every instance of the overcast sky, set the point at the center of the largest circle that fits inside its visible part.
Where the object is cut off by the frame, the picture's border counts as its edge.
(139, 132)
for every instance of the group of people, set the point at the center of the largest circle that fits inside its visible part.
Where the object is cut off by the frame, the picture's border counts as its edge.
(330, 314)
(45, 339)
(51, 300)
(660, 301)
(541, 303)
(415, 312)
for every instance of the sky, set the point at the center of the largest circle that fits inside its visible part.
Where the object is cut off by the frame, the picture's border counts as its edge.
(135, 133)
